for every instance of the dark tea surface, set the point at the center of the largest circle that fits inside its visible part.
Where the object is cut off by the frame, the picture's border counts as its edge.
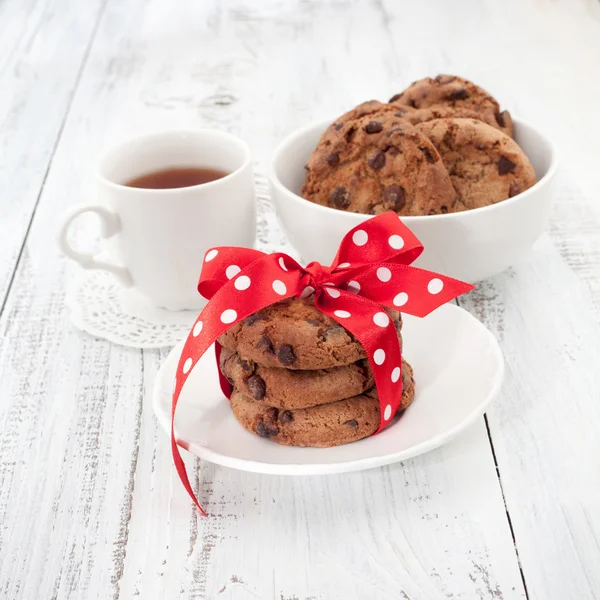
(176, 177)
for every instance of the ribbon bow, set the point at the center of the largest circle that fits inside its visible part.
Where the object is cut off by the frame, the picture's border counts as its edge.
(371, 270)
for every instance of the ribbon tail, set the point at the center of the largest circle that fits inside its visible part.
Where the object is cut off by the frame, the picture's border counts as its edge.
(239, 297)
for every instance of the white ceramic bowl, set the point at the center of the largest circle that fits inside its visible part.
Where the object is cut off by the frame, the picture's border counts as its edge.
(470, 245)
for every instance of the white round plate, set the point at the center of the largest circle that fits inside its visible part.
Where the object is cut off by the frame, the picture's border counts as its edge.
(458, 369)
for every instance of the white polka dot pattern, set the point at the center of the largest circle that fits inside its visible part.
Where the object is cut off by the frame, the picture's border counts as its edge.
(396, 242)
(187, 365)
(435, 286)
(279, 287)
(400, 299)
(388, 412)
(307, 291)
(242, 283)
(381, 319)
(379, 356)
(197, 328)
(384, 274)
(395, 374)
(353, 287)
(360, 237)
(231, 271)
(342, 314)
(282, 263)
(210, 255)
(228, 316)
(333, 292)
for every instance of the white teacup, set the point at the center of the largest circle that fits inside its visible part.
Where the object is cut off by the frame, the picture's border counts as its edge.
(156, 238)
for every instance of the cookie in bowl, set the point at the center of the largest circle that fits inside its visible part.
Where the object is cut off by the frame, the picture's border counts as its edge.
(376, 163)
(457, 93)
(485, 165)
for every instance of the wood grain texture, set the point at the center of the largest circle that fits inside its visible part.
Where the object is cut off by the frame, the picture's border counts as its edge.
(90, 505)
(39, 71)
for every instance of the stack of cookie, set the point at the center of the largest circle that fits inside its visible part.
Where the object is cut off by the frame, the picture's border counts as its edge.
(301, 379)
(442, 145)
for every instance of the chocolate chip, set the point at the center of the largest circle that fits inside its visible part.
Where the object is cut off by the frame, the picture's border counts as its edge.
(313, 322)
(257, 387)
(350, 134)
(338, 126)
(229, 379)
(394, 197)
(351, 423)
(378, 161)
(286, 417)
(306, 168)
(246, 366)
(505, 165)
(339, 197)
(401, 112)
(428, 156)
(333, 159)
(458, 95)
(500, 118)
(265, 344)
(444, 209)
(396, 97)
(254, 319)
(266, 430)
(514, 189)
(374, 127)
(412, 103)
(286, 355)
(393, 150)
(445, 78)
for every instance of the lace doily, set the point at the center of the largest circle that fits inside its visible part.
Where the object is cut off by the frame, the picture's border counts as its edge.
(102, 307)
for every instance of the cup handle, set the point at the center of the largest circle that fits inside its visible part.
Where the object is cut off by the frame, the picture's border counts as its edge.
(109, 225)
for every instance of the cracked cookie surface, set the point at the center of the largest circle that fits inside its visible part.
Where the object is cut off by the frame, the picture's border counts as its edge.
(485, 165)
(455, 92)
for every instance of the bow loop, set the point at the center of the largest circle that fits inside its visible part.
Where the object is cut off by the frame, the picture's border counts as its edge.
(380, 239)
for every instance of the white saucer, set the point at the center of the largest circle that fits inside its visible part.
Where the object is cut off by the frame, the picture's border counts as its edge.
(458, 369)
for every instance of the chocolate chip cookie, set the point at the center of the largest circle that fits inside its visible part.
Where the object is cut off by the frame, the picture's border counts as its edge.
(455, 92)
(485, 165)
(321, 426)
(286, 388)
(375, 163)
(295, 335)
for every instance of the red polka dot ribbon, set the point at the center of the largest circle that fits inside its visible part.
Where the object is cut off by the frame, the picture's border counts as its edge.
(370, 271)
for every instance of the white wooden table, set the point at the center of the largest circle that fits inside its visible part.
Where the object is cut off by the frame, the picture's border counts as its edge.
(90, 505)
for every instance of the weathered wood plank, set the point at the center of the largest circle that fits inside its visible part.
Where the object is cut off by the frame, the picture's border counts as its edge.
(43, 45)
(545, 425)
